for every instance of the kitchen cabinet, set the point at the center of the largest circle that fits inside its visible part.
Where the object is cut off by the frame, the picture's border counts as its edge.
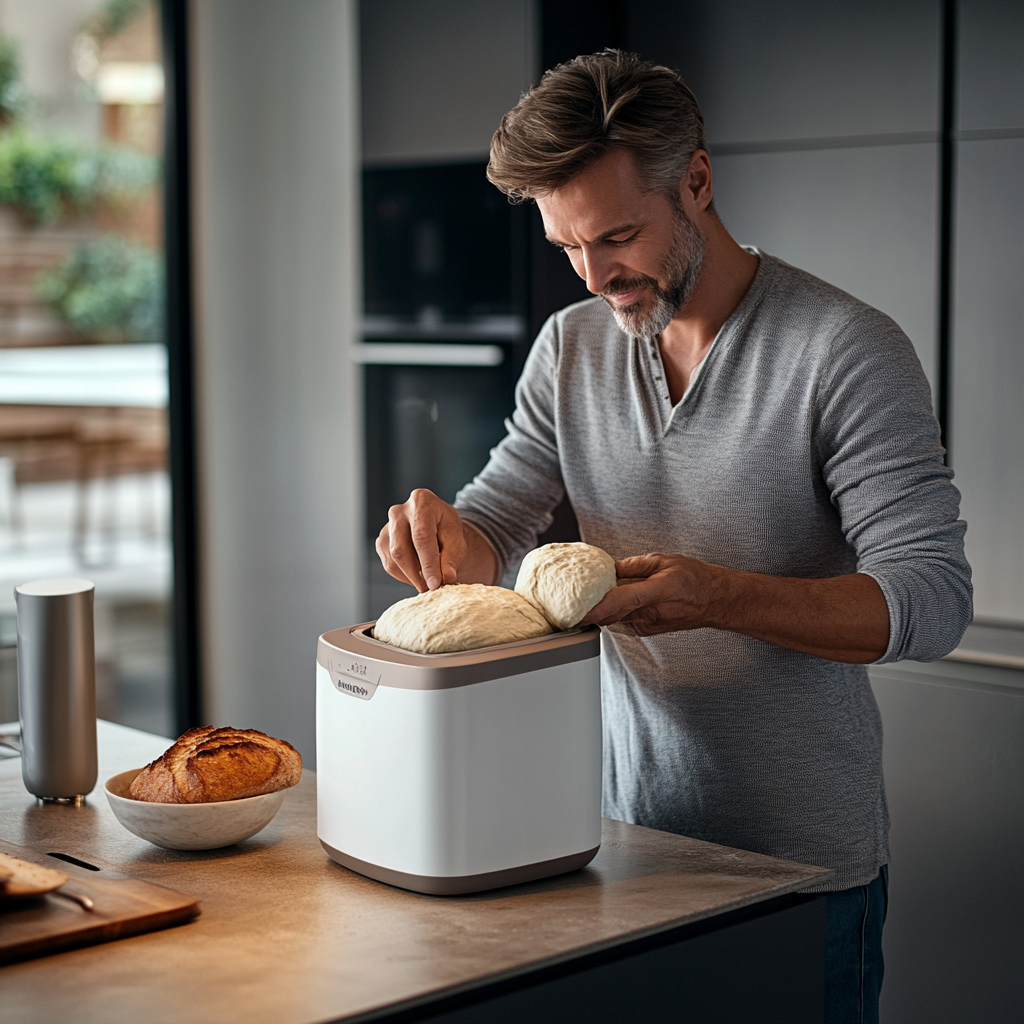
(954, 777)
(822, 121)
(798, 69)
(437, 78)
(988, 307)
(656, 926)
(988, 370)
(861, 218)
(991, 66)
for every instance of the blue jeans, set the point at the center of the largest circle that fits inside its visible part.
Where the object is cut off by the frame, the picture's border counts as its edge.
(853, 951)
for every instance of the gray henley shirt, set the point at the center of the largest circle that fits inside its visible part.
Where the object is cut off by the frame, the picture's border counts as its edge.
(804, 446)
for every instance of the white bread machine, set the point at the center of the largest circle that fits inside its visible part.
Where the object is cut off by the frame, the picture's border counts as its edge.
(455, 773)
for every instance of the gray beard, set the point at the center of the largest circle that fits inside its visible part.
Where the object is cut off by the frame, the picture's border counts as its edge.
(681, 268)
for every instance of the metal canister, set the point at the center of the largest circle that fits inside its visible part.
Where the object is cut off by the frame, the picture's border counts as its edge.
(57, 688)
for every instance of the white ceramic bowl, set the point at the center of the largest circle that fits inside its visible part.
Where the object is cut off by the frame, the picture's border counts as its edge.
(191, 826)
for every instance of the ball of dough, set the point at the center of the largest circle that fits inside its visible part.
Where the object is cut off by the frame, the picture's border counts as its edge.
(460, 617)
(566, 580)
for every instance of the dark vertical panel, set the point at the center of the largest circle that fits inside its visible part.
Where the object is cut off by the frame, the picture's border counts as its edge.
(181, 407)
(568, 28)
(571, 27)
(947, 173)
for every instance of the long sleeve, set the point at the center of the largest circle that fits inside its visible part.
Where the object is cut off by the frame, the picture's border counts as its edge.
(882, 463)
(512, 499)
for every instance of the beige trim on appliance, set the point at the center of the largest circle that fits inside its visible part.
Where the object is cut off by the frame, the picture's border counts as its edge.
(350, 652)
(454, 885)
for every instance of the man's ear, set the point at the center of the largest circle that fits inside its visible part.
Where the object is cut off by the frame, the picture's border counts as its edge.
(696, 188)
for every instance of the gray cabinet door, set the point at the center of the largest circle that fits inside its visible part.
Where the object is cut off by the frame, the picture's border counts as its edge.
(799, 69)
(862, 219)
(437, 77)
(991, 65)
(988, 370)
(954, 777)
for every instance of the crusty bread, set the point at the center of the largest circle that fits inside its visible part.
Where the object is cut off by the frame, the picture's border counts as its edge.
(208, 764)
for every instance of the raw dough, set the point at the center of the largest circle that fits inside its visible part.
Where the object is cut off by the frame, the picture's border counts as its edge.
(566, 580)
(459, 617)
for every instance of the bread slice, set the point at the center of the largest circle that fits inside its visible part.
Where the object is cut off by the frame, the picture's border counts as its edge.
(208, 764)
(23, 878)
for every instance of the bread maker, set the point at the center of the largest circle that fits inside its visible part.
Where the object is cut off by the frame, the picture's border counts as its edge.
(455, 773)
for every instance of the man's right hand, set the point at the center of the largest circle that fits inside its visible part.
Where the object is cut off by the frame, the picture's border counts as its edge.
(427, 543)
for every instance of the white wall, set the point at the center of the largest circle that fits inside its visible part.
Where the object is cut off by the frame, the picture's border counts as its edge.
(276, 157)
(437, 77)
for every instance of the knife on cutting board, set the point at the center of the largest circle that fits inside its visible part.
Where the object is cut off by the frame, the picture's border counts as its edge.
(96, 904)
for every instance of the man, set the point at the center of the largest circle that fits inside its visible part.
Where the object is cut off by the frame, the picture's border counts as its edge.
(770, 439)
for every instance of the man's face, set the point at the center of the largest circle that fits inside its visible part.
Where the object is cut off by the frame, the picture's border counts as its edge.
(637, 250)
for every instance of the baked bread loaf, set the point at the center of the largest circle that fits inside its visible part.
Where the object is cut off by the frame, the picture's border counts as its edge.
(208, 764)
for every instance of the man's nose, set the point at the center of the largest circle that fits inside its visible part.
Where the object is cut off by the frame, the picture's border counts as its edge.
(595, 268)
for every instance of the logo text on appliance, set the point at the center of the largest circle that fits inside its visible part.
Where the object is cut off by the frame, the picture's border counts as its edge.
(353, 688)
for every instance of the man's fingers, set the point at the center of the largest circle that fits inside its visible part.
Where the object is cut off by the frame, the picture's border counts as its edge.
(423, 543)
(639, 566)
(428, 551)
(383, 546)
(402, 549)
(452, 541)
(453, 551)
(631, 593)
(449, 569)
(618, 603)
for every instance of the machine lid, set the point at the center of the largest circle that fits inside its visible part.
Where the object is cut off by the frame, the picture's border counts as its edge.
(355, 653)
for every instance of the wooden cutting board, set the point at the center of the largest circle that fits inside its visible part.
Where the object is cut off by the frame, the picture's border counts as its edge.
(122, 906)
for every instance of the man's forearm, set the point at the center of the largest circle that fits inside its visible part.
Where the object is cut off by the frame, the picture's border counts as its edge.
(844, 618)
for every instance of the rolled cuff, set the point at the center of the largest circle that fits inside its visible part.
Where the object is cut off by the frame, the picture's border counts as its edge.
(929, 610)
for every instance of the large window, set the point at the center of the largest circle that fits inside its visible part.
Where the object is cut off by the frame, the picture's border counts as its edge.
(83, 367)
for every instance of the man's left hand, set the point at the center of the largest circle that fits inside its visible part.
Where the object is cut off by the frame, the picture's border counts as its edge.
(842, 618)
(657, 593)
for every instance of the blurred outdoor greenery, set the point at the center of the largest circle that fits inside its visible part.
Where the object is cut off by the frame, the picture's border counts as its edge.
(12, 93)
(49, 178)
(109, 289)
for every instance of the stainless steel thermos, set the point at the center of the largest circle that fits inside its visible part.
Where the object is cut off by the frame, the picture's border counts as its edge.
(57, 688)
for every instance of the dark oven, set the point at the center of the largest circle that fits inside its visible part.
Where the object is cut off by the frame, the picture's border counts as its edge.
(443, 335)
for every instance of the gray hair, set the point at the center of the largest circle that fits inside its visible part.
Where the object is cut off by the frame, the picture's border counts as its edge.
(588, 106)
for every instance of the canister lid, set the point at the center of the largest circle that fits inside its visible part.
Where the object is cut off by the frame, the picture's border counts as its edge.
(54, 588)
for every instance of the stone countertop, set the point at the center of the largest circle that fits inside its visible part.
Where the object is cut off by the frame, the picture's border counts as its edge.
(286, 935)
